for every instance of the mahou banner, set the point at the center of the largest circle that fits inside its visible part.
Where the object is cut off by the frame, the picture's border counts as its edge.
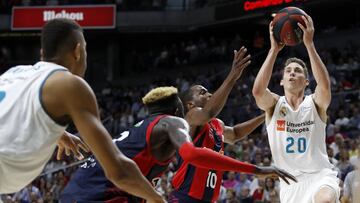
(89, 17)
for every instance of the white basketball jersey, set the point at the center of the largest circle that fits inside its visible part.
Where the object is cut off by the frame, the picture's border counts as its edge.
(297, 138)
(28, 135)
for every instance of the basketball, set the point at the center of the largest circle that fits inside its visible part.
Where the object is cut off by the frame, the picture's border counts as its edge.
(285, 25)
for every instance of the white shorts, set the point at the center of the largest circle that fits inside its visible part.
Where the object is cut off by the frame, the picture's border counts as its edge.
(16, 174)
(308, 185)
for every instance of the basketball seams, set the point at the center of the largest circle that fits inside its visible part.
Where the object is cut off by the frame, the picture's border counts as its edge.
(294, 19)
(279, 21)
(285, 26)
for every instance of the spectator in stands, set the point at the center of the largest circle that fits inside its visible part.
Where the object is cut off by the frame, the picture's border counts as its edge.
(29, 194)
(352, 184)
(272, 193)
(231, 181)
(344, 164)
(243, 182)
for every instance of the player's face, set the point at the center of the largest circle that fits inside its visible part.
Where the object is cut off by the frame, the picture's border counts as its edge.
(294, 77)
(200, 95)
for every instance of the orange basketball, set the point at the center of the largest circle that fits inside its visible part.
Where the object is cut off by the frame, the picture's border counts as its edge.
(285, 25)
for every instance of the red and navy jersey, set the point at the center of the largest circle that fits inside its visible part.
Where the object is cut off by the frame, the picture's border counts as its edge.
(89, 183)
(199, 183)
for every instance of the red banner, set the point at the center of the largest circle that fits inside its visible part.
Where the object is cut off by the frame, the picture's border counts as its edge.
(89, 17)
(257, 4)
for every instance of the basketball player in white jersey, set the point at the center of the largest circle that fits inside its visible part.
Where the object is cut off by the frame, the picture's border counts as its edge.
(38, 101)
(296, 123)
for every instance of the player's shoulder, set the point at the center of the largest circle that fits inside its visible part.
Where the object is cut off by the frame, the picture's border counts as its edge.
(275, 96)
(66, 80)
(217, 120)
(64, 84)
(171, 121)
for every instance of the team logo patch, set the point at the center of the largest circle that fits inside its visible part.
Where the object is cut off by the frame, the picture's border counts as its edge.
(280, 125)
(283, 111)
(305, 108)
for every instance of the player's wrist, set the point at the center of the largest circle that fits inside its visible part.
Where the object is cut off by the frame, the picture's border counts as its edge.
(309, 45)
(274, 50)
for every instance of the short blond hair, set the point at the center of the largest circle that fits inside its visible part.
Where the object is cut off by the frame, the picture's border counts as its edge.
(159, 93)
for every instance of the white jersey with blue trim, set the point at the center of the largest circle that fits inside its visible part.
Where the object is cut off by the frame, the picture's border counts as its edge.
(297, 138)
(28, 135)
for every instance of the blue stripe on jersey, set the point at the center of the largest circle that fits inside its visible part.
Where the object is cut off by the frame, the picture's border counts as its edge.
(188, 179)
(40, 93)
(180, 161)
(2, 95)
(186, 184)
(217, 138)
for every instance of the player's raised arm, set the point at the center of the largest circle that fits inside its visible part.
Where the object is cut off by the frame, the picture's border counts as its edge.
(235, 133)
(178, 131)
(200, 116)
(265, 99)
(78, 101)
(322, 96)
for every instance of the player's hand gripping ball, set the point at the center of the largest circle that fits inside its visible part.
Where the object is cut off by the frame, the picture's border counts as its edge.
(285, 28)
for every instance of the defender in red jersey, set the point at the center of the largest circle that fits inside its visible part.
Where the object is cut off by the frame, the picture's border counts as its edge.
(151, 144)
(194, 184)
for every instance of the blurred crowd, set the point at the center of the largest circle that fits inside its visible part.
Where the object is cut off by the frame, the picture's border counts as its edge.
(122, 107)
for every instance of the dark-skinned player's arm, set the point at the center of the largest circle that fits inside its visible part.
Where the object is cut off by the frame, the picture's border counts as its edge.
(241, 130)
(200, 116)
(80, 104)
(177, 129)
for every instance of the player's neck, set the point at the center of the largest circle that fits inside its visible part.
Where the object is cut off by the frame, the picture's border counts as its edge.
(294, 99)
(60, 60)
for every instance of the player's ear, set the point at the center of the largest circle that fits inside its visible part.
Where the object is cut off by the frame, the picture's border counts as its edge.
(41, 54)
(77, 52)
(307, 82)
(281, 82)
(190, 105)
